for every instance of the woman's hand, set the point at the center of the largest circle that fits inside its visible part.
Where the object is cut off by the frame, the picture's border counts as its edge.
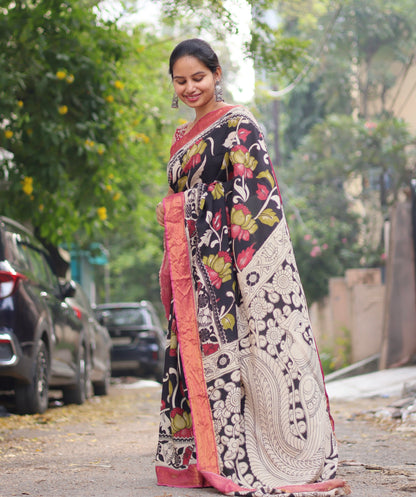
(160, 210)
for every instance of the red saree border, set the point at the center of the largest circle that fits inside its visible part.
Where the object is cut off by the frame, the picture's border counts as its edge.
(185, 478)
(188, 336)
(200, 125)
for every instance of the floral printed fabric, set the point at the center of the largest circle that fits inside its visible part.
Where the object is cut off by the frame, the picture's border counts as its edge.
(244, 406)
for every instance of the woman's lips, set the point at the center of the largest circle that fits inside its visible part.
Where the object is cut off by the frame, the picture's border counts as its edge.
(192, 98)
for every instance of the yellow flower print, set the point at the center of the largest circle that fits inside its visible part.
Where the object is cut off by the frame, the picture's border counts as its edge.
(180, 420)
(182, 183)
(27, 185)
(193, 156)
(102, 213)
(217, 190)
(232, 123)
(244, 163)
(242, 223)
(61, 74)
(62, 109)
(218, 267)
(8, 133)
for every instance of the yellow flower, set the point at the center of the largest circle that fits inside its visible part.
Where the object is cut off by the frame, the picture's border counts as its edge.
(102, 213)
(111, 176)
(108, 188)
(27, 185)
(89, 143)
(142, 137)
(61, 74)
(8, 133)
(62, 109)
(20, 103)
(100, 149)
(70, 78)
(119, 85)
(116, 196)
(41, 207)
(109, 98)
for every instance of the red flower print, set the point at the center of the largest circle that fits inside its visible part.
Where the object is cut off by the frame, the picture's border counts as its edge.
(242, 223)
(209, 348)
(187, 455)
(245, 256)
(239, 233)
(242, 170)
(262, 192)
(216, 222)
(191, 227)
(192, 162)
(243, 133)
(242, 148)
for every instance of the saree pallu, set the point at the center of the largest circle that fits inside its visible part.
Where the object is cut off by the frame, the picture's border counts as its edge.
(244, 407)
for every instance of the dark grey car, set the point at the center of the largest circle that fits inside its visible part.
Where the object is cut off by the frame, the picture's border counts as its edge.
(137, 336)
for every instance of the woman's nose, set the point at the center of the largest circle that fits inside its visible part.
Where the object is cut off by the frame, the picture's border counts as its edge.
(189, 86)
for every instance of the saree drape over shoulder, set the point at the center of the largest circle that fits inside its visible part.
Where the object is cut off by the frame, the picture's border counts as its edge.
(244, 407)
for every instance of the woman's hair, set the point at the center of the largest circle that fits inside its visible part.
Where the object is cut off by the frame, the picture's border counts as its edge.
(195, 48)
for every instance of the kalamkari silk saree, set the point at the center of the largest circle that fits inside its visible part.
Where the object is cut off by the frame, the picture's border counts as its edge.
(244, 407)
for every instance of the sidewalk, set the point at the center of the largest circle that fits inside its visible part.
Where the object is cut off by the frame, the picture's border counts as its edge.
(384, 383)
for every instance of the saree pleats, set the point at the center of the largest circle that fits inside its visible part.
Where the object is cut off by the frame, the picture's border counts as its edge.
(244, 407)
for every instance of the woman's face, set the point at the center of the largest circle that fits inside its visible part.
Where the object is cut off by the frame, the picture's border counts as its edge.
(194, 83)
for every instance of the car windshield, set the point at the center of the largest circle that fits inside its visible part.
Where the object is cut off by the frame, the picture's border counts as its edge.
(124, 317)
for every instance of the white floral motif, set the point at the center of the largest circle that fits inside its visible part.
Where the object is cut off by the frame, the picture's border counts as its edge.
(259, 307)
(274, 332)
(233, 400)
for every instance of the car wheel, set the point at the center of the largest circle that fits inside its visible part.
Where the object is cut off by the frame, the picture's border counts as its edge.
(32, 398)
(102, 387)
(81, 390)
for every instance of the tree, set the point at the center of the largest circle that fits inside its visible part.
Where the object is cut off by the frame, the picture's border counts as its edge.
(59, 83)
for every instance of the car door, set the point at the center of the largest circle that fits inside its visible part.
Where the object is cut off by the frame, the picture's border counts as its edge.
(66, 326)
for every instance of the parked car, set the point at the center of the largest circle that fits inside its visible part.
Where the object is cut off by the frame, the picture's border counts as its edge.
(137, 335)
(99, 364)
(43, 343)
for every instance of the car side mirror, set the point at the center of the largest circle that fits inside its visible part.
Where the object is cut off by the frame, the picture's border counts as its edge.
(68, 289)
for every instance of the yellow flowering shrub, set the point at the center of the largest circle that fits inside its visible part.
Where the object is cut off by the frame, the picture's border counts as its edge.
(27, 185)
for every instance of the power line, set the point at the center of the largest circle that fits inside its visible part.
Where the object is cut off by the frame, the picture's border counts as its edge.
(307, 69)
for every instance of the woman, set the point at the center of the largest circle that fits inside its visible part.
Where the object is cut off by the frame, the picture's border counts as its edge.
(244, 407)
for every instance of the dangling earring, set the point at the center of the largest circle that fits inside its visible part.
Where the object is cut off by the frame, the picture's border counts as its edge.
(218, 92)
(175, 101)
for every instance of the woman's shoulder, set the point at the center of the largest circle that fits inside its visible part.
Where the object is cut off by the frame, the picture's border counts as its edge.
(242, 113)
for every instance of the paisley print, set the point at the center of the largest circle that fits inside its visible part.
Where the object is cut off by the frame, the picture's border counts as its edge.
(244, 407)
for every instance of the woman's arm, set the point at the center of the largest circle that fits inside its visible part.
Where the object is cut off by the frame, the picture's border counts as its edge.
(160, 210)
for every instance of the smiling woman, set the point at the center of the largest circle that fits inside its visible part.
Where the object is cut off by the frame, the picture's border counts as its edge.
(244, 407)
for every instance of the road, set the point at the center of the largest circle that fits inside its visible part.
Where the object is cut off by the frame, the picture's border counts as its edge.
(105, 448)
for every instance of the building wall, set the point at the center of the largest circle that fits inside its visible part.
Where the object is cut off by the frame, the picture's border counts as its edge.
(350, 319)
